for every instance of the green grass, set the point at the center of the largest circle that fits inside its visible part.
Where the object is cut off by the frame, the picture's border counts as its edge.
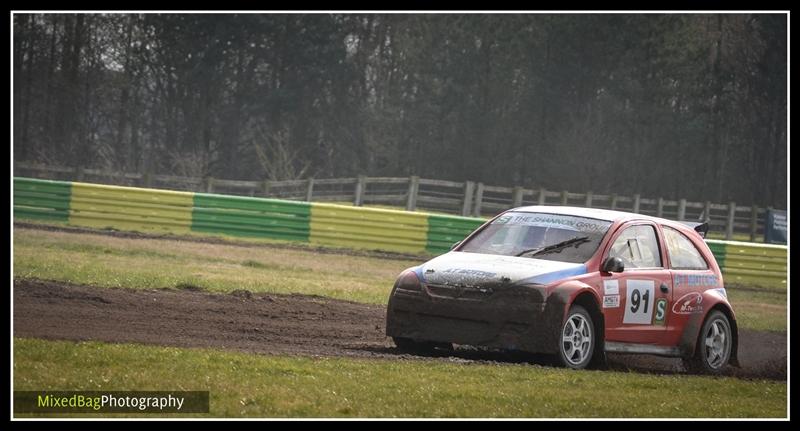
(246, 385)
(223, 239)
(107, 261)
(759, 309)
(268, 386)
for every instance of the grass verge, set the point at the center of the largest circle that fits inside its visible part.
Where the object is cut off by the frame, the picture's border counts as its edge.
(758, 309)
(107, 261)
(245, 385)
(103, 260)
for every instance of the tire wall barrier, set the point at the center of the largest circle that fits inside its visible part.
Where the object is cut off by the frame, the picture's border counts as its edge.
(251, 217)
(444, 231)
(165, 211)
(371, 228)
(752, 264)
(41, 200)
(130, 208)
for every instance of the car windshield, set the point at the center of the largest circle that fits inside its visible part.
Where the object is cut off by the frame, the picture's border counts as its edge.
(540, 235)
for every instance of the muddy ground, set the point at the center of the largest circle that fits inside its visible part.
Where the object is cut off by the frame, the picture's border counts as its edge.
(286, 325)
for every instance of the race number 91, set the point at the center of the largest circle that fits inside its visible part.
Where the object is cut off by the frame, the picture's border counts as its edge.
(640, 296)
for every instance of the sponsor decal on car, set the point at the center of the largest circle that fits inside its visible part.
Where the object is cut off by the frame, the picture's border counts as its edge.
(696, 280)
(611, 287)
(556, 221)
(472, 272)
(661, 312)
(690, 303)
(611, 301)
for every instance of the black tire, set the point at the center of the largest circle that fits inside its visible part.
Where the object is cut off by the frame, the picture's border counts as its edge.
(714, 345)
(576, 339)
(420, 347)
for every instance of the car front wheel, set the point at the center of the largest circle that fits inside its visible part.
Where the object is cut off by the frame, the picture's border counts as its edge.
(577, 339)
(713, 345)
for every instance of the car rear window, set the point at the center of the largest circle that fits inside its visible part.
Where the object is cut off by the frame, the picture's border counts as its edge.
(529, 234)
(682, 252)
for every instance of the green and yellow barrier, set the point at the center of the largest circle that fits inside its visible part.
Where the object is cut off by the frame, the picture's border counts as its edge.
(368, 228)
(748, 263)
(251, 217)
(130, 208)
(165, 211)
(444, 231)
(41, 200)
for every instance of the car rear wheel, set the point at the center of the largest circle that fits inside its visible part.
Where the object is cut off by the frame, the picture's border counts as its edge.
(713, 345)
(577, 339)
(420, 347)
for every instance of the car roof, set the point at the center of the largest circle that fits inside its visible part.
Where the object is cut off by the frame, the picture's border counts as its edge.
(595, 213)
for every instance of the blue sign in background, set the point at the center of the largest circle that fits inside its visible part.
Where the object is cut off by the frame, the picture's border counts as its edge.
(775, 227)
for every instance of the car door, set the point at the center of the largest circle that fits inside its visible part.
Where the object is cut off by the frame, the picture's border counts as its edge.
(635, 300)
(691, 276)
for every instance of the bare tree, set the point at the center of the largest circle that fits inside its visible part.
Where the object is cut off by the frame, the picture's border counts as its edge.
(276, 157)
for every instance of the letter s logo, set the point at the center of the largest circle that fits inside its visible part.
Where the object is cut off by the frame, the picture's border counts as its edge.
(661, 312)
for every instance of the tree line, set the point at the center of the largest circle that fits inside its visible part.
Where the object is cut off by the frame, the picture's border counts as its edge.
(673, 105)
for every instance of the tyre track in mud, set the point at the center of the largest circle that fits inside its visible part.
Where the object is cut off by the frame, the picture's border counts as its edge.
(285, 325)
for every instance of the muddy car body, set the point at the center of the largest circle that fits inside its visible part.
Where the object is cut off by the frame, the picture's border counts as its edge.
(575, 282)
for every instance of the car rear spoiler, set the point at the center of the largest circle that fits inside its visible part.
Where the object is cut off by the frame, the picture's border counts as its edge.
(701, 228)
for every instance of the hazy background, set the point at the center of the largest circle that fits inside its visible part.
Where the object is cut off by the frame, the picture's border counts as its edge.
(673, 105)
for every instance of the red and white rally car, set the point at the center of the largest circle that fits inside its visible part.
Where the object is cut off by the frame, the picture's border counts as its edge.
(576, 282)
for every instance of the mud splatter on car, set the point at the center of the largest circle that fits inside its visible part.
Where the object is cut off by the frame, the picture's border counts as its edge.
(575, 282)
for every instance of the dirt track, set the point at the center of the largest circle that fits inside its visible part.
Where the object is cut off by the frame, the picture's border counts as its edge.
(281, 324)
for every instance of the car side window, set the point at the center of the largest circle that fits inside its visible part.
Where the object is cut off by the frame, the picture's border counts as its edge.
(637, 246)
(682, 253)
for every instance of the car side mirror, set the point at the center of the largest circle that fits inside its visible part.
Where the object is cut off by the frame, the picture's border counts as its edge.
(613, 264)
(455, 244)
